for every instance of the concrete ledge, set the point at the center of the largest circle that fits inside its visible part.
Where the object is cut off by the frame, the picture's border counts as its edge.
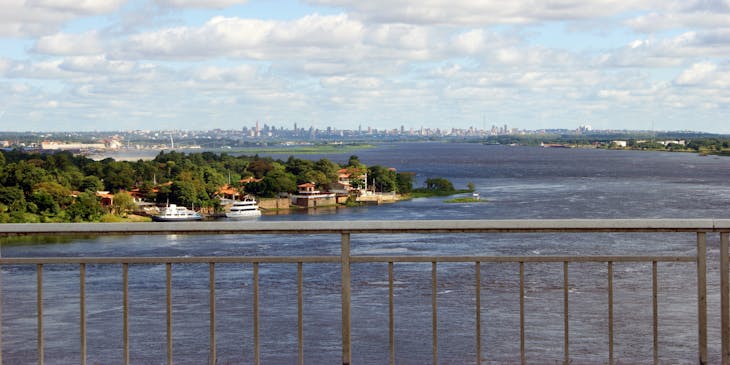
(405, 226)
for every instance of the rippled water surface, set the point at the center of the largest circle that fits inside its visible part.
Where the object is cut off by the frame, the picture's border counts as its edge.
(518, 182)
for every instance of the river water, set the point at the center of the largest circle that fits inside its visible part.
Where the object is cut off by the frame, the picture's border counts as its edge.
(517, 182)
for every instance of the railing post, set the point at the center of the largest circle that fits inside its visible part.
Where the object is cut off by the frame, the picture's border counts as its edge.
(655, 309)
(211, 307)
(391, 313)
(523, 358)
(345, 264)
(125, 311)
(566, 316)
(610, 313)
(434, 314)
(39, 308)
(478, 320)
(1, 313)
(168, 310)
(82, 309)
(256, 338)
(702, 296)
(724, 300)
(300, 312)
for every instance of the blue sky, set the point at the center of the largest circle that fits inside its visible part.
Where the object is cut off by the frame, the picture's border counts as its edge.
(201, 64)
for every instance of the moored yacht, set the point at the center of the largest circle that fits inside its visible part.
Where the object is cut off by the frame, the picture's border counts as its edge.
(244, 209)
(173, 213)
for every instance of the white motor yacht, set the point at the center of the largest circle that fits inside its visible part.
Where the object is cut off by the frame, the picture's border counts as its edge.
(173, 213)
(244, 209)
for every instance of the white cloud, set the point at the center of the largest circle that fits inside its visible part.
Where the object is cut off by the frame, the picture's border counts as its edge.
(214, 4)
(478, 12)
(359, 83)
(4, 66)
(69, 44)
(96, 64)
(21, 18)
(705, 75)
(697, 74)
(682, 14)
(677, 51)
(77, 6)
(252, 38)
(226, 75)
(470, 42)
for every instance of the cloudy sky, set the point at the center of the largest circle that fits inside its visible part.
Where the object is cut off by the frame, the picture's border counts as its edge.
(203, 64)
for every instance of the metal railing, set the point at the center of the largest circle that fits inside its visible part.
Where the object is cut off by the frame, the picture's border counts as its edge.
(700, 227)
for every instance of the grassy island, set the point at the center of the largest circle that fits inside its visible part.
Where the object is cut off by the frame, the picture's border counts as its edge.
(466, 200)
(439, 187)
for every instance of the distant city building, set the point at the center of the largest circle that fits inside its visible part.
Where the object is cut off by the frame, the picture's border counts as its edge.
(585, 128)
(62, 146)
(677, 142)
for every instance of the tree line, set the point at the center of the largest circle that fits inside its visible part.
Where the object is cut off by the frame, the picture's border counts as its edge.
(61, 187)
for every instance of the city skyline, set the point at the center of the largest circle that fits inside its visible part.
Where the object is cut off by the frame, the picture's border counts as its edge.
(192, 65)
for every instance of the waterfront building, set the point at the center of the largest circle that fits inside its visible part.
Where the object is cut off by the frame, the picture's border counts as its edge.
(309, 197)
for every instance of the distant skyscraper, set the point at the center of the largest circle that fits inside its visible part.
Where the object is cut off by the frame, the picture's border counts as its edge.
(258, 131)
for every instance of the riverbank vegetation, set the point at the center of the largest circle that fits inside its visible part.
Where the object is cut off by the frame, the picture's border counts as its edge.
(62, 187)
(706, 144)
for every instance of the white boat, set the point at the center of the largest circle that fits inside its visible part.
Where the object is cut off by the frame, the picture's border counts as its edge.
(244, 209)
(173, 213)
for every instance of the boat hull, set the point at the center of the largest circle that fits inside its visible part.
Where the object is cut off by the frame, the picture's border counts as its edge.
(243, 214)
(157, 218)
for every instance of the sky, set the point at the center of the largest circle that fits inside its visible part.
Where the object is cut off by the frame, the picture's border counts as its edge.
(68, 65)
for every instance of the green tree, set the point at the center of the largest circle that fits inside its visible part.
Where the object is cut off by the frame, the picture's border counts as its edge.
(259, 167)
(405, 182)
(271, 185)
(439, 184)
(328, 168)
(25, 175)
(316, 177)
(91, 183)
(123, 202)
(298, 167)
(85, 208)
(13, 199)
(354, 161)
(383, 179)
(42, 202)
(184, 193)
(60, 194)
(118, 175)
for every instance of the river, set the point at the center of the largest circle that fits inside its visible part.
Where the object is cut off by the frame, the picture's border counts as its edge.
(516, 182)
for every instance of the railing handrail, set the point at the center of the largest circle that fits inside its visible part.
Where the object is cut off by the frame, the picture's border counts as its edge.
(402, 226)
(156, 260)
